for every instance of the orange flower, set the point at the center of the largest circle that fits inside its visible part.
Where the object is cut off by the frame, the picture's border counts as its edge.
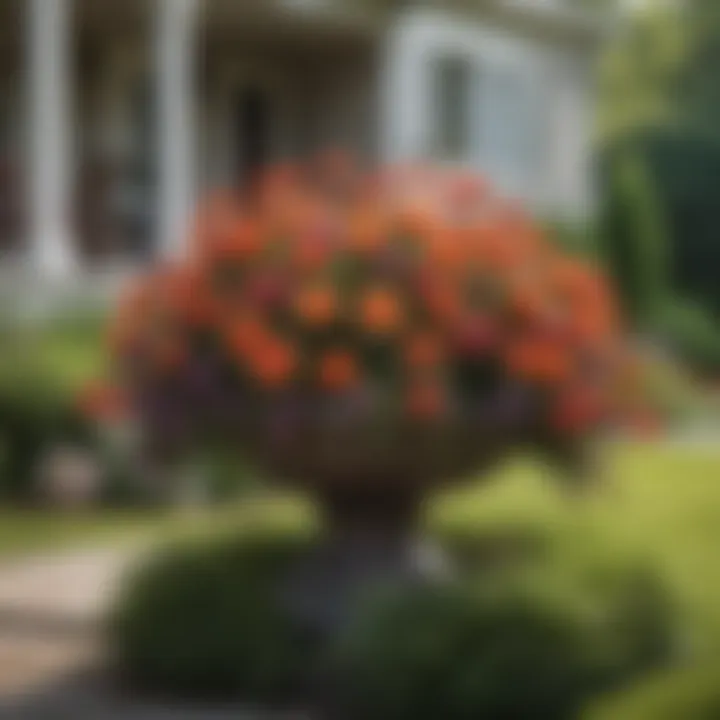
(244, 334)
(317, 305)
(310, 254)
(380, 311)
(501, 252)
(423, 350)
(272, 362)
(529, 302)
(576, 281)
(575, 410)
(539, 360)
(447, 251)
(416, 220)
(367, 231)
(591, 324)
(246, 239)
(425, 401)
(231, 237)
(338, 370)
(442, 300)
(201, 309)
(188, 296)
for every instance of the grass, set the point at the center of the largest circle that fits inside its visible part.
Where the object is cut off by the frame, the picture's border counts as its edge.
(661, 505)
(27, 531)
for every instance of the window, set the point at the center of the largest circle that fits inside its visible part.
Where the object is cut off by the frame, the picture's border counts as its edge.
(510, 126)
(452, 108)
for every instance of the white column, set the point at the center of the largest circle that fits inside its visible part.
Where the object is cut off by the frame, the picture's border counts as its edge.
(50, 138)
(175, 47)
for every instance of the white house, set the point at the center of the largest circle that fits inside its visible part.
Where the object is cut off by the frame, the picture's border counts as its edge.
(115, 115)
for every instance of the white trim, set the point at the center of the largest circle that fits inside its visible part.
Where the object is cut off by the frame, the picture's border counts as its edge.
(175, 47)
(419, 37)
(49, 142)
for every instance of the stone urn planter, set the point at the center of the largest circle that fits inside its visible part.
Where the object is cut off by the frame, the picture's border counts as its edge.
(368, 337)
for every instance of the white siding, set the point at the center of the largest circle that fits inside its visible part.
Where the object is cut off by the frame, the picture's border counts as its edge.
(529, 120)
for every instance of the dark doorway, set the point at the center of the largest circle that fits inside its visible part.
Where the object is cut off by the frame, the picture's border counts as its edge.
(252, 119)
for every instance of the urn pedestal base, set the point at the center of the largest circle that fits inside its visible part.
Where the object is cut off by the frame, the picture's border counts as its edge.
(369, 540)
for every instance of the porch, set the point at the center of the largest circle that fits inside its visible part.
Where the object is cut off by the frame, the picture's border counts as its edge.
(118, 116)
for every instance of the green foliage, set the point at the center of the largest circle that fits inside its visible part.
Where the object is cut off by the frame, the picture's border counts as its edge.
(661, 187)
(205, 620)
(641, 72)
(660, 107)
(634, 239)
(41, 369)
(691, 332)
(687, 694)
(459, 654)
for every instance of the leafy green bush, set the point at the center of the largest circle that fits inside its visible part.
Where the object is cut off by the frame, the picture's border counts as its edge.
(458, 654)
(671, 196)
(41, 369)
(691, 332)
(634, 235)
(510, 652)
(206, 620)
(687, 694)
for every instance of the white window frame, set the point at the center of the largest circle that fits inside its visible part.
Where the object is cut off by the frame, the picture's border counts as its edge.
(422, 37)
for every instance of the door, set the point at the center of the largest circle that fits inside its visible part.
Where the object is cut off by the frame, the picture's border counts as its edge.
(252, 133)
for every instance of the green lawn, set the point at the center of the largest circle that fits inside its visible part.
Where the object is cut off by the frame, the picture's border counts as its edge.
(28, 531)
(661, 506)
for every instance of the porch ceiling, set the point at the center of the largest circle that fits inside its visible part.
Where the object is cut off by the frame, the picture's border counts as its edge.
(294, 21)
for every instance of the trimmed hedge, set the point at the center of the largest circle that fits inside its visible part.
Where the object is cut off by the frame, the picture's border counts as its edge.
(205, 621)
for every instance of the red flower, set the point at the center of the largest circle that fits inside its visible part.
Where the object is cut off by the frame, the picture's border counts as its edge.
(380, 311)
(272, 361)
(539, 360)
(576, 410)
(317, 305)
(338, 370)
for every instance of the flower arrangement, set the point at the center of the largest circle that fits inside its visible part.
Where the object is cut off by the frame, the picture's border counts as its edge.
(339, 325)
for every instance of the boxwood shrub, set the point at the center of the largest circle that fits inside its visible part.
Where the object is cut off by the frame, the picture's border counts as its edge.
(205, 620)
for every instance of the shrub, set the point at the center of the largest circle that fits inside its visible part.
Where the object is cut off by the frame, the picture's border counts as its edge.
(457, 654)
(204, 620)
(634, 235)
(691, 332)
(511, 652)
(40, 369)
(686, 694)
(683, 165)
